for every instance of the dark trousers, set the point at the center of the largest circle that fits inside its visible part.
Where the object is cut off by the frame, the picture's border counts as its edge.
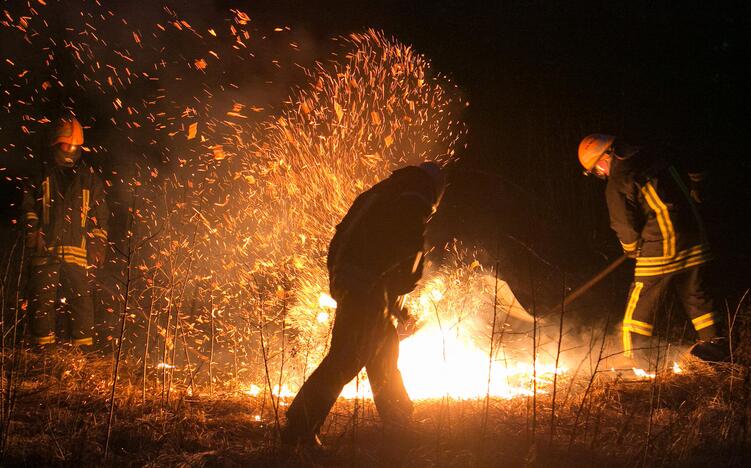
(58, 281)
(647, 296)
(363, 336)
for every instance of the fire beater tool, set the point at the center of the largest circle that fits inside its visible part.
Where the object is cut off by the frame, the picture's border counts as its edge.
(578, 292)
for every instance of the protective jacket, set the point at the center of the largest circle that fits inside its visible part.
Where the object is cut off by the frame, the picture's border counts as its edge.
(68, 206)
(651, 211)
(382, 236)
(375, 256)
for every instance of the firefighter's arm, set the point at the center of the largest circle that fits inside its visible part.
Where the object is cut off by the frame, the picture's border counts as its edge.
(406, 325)
(397, 309)
(413, 212)
(34, 239)
(406, 322)
(99, 223)
(624, 216)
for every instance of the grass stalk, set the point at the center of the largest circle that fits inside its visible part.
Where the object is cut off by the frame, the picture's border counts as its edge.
(557, 362)
(123, 321)
(486, 409)
(147, 342)
(267, 372)
(11, 385)
(590, 384)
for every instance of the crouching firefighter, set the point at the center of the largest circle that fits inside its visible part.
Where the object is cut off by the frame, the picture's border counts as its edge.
(66, 233)
(654, 214)
(375, 256)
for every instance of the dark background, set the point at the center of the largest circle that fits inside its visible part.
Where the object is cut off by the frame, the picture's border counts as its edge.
(539, 77)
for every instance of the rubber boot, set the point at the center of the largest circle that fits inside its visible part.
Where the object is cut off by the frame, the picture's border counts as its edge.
(713, 350)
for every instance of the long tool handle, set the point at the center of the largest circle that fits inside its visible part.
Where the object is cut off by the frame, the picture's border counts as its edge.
(593, 281)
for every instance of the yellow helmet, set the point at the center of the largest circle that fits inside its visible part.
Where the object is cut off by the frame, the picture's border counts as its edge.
(592, 147)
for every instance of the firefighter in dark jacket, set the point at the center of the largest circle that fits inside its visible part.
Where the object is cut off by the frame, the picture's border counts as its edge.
(375, 256)
(653, 211)
(66, 234)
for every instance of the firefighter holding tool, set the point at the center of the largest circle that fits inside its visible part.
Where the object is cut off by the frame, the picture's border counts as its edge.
(653, 211)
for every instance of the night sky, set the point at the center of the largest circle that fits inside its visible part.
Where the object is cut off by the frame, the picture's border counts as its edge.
(539, 76)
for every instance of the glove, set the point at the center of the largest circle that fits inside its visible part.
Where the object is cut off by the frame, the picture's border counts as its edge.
(402, 314)
(96, 253)
(406, 326)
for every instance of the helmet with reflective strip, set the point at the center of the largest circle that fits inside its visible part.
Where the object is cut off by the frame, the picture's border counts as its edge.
(67, 130)
(592, 147)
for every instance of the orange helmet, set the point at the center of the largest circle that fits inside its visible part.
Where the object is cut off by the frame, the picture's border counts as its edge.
(67, 131)
(592, 147)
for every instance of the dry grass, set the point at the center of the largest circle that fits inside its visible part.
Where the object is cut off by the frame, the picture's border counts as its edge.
(698, 417)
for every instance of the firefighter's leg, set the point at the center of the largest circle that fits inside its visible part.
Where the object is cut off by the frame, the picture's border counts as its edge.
(352, 344)
(43, 286)
(644, 300)
(713, 345)
(692, 289)
(76, 289)
(391, 398)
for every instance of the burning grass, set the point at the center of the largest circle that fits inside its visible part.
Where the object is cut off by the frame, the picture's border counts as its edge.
(687, 419)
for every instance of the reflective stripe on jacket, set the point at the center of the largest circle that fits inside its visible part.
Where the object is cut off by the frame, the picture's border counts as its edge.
(69, 207)
(651, 210)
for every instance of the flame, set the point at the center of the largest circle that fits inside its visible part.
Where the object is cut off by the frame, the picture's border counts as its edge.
(643, 374)
(448, 355)
(282, 392)
(676, 368)
(435, 363)
(326, 302)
